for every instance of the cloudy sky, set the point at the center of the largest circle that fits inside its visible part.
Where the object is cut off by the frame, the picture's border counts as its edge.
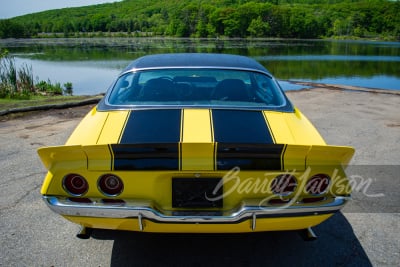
(12, 8)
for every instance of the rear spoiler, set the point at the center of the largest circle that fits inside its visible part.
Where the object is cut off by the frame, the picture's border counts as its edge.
(301, 156)
(95, 157)
(169, 156)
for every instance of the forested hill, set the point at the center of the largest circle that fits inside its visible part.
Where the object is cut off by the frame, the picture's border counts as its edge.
(215, 18)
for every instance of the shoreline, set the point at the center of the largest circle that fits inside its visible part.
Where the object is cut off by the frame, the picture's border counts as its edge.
(94, 99)
(342, 87)
(124, 35)
(87, 100)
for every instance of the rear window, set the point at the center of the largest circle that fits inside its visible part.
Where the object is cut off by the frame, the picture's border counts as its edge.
(196, 87)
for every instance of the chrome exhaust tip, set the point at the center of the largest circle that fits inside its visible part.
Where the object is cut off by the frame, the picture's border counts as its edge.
(84, 233)
(308, 234)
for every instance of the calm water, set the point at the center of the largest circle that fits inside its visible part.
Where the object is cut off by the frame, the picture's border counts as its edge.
(92, 64)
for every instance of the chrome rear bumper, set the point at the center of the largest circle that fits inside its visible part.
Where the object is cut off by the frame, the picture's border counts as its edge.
(142, 209)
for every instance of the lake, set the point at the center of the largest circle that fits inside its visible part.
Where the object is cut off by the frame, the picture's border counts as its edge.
(92, 64)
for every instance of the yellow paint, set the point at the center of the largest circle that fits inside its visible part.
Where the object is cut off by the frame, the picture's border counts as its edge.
(197, 148)
(196, 126)
(63, 157)
(46, 183)
(293, 128)
(294, 157)
(280, 130)
(99, 157)
(113, 127)
(330, 155)
(197, 156)
(88, 130)
(299, 157)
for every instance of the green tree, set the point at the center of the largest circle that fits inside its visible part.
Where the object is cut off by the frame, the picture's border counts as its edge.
(234, 18)
(10, 28)
(258, 28)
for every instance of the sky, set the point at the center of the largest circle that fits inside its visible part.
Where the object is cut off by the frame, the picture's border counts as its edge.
(13, 8)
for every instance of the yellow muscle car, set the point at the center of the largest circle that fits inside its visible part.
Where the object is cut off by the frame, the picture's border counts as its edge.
(195, 143)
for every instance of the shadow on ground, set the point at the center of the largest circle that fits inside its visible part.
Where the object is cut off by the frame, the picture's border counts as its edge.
(336, 246)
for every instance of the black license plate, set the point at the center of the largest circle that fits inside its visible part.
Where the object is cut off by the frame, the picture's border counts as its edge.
(197, 193)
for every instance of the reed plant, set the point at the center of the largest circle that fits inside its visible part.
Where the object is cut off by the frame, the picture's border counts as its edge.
(25, 79)
(19, 83)
(8, 74)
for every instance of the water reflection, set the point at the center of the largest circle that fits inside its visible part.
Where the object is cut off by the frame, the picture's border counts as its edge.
(329, 58)
(87, 77)
(92, 64)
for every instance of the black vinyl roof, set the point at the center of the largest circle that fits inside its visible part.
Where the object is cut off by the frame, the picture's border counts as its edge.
(195, 60)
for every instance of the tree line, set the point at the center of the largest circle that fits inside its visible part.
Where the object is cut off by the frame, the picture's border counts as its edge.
(216, 18)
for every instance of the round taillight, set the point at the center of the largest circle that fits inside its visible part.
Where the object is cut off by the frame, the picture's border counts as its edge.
(284, 184)
(318, 184)
(75, 184)
(110, 185)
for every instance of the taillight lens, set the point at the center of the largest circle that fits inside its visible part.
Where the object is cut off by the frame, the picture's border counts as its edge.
(75, 184)
(110, 185)
(318, 184)
(284, 184)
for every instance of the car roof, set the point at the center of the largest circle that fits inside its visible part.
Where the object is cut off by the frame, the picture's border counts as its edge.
(187, 60)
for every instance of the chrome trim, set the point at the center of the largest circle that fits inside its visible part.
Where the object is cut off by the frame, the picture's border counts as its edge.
(310, 234)
(141, 228)
(197, 68)
(253, 223)
(145, 209)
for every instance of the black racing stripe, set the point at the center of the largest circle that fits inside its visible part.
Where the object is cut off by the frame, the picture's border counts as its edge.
(145, 156)
(240, 126)
(249, 156)
(152, 126)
